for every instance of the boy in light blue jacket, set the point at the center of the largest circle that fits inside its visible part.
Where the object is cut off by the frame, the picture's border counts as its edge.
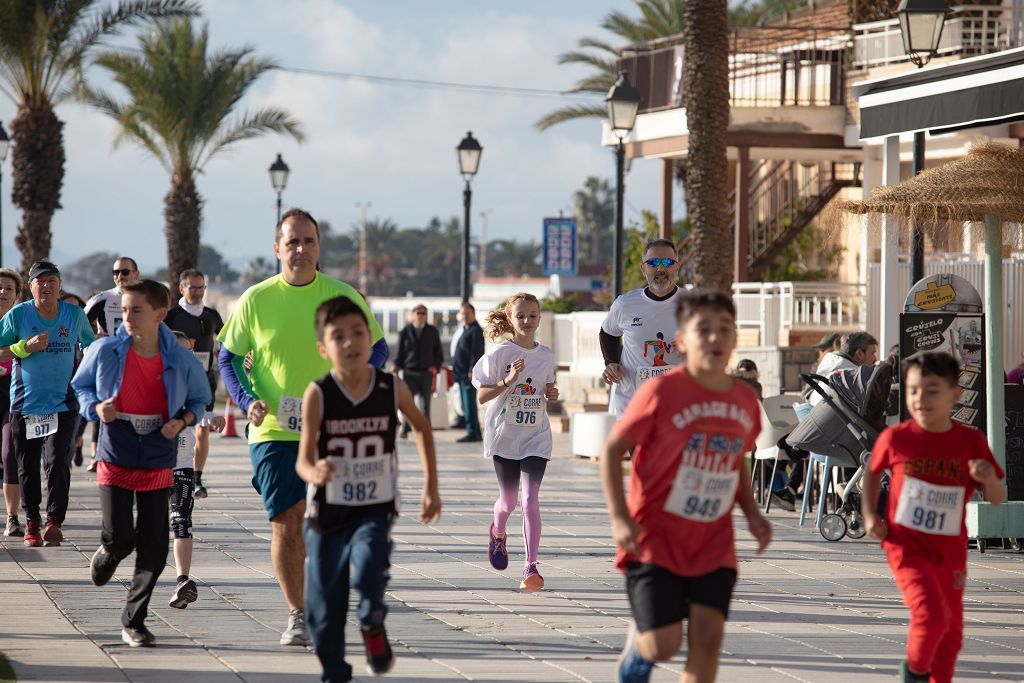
(144, 388)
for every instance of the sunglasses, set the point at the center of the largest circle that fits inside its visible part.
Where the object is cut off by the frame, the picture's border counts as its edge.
(420, 312)
(661, 262)
(123, 271)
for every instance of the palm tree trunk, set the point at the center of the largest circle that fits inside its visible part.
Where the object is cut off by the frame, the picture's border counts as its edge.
(182, 216)
(38, 173)
(706, 98)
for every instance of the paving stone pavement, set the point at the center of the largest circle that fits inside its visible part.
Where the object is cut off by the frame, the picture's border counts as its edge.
(807, 610)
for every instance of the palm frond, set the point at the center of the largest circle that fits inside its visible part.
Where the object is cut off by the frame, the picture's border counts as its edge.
(597, 44)
(570, 113)
(127, 13)
(252, 125)
(595, 61)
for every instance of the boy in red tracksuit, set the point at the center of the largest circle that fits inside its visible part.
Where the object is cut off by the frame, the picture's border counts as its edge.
(936, 466)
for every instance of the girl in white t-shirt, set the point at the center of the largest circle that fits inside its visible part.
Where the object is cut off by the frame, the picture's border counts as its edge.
(516, 377)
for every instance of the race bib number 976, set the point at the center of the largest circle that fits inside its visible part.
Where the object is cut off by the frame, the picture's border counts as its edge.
(524, 411)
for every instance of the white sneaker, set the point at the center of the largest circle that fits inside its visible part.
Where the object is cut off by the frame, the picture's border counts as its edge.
(296, 633)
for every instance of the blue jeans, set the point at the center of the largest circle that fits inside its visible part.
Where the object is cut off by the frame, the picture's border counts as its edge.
(467, 392)
(366, 549)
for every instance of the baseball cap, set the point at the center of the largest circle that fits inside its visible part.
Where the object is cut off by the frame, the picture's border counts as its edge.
(40, 268)
(827, 342)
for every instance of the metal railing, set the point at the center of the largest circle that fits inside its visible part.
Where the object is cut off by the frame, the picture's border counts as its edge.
(774, 308)
(969, 30)
(768, 67)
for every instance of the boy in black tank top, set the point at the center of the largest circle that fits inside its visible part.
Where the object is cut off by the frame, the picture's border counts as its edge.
(347, 456)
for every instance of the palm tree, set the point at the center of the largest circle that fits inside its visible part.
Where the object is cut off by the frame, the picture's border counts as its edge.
(595, 210)
(181, 109)
(42, 44)
(658, 19)
(706, 98)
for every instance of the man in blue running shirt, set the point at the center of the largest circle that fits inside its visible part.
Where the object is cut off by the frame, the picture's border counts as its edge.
(43, 336)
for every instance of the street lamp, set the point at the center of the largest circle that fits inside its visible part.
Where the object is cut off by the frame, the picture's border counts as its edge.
(623, 102)
(469, 151)
(5, 144)
(279, 180)
(921, 23)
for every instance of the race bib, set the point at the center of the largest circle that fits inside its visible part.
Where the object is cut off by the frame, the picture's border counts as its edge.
(930, 508)
(524, 411)
(647, 373)
(143, 424)
(702, 496)
(38, 426)
(361, 481)
(289, 414)
(203, 357)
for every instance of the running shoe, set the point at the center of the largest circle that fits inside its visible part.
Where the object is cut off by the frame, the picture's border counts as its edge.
(200, 491)
(908, 676)
(630, 667)
(532, 580)
(78, 456)
(185, 593)
(92, 465)
(138, 637)
(296, 633)
(102, 566)
(497, 553)
(52, 535)
(14, 527)
(379, 657)
(33, 539)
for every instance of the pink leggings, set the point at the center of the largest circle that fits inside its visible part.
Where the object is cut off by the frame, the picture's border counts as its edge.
(509, 472)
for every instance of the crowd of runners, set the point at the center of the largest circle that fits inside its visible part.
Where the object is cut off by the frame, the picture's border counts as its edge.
(303, 357)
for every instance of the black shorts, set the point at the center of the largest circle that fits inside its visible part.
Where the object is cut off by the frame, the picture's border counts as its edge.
(659, 597)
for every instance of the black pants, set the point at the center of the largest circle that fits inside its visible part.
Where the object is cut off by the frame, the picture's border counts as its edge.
(420, 383)
(53, 451)
(146, 534)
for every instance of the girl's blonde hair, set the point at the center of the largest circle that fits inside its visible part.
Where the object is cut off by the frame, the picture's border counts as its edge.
(499, 321)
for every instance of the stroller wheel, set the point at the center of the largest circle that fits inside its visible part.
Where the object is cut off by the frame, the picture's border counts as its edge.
(833, 527)
(855, 526)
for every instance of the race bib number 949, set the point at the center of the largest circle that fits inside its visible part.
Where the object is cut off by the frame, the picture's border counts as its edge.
(702, 496)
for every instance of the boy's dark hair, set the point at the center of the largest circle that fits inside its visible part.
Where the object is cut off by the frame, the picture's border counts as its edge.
(856, 341)
(295, 213)
(155, 293)
(693, 300)
(934, 363)
(335, 308)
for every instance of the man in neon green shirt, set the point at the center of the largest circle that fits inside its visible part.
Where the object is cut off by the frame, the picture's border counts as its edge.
(275, 322)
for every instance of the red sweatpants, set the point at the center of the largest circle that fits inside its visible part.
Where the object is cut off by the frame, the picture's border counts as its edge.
(935, 596)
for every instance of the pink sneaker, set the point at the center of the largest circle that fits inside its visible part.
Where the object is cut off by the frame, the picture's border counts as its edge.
(497, 553)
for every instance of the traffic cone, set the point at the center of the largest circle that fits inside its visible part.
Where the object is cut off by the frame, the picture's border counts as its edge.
(229, 421)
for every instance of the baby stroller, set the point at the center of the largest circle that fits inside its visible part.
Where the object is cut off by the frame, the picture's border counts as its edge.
(844, 426)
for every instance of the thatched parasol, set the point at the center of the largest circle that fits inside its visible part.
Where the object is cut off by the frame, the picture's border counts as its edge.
(985, 185)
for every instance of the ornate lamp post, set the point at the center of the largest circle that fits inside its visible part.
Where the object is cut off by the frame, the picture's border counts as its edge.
(469, 151)
(279, 180)
(921, 23)
(623, 102)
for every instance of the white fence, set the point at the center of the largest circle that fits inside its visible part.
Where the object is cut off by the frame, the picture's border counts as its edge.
(973, 272)
(776, 308)
(969, 30)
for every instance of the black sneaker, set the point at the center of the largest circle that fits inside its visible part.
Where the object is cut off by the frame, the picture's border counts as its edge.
(785, 499)
(908, 676)
(379, 658)
(103, 566)
(185, 593)
(137, 637)
(78, 456)
(200, 491)
(469, 439)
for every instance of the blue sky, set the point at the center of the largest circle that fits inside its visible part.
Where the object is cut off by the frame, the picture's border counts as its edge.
(392, 146)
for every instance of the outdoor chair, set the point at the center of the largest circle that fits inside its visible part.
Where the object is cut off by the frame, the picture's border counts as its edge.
(828, 465)
(777, 419)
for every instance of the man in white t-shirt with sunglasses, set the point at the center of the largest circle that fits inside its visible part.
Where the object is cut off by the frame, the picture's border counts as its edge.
(637, 334)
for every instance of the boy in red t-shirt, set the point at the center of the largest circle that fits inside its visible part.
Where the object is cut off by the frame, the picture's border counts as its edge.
(936, 465)
(689, 431)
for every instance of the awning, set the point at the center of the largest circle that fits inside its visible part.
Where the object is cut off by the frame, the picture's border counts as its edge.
(968, 93)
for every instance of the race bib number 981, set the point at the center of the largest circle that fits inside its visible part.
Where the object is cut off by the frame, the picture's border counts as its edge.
(930, 508)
